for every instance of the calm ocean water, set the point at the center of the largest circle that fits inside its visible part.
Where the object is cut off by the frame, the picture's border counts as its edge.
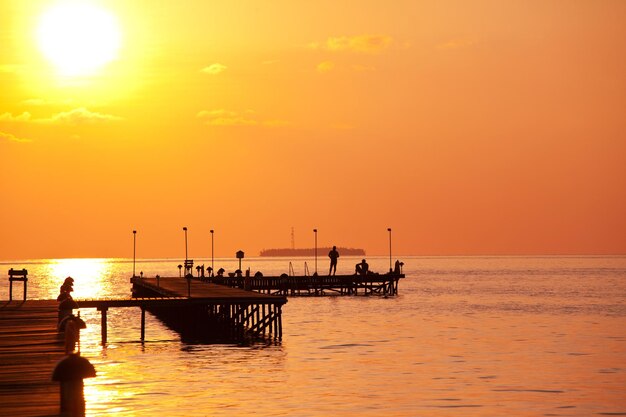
(467, 336)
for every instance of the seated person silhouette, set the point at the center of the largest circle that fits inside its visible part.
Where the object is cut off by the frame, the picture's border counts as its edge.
(362, 268)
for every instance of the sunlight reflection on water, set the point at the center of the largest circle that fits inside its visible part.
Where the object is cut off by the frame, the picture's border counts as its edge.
(466, 336)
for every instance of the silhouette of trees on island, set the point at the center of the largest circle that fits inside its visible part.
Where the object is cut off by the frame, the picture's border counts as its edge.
(322, 251)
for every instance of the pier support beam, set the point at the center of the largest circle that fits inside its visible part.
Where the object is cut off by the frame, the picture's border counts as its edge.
(143, 324)
(103, 325)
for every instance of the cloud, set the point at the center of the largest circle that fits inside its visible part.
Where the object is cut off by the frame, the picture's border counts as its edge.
(81, 115)
(370, 44)
(75, 116)
(221, 117)
(8, 117)
(12, 138)
(214, 69)
(325, 66)
(34, 102)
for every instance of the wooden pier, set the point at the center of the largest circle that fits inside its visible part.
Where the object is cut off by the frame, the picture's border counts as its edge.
(30, 348)
(315, 285)
(210, 311)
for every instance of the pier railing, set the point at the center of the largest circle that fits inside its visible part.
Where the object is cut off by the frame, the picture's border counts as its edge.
(371, 284)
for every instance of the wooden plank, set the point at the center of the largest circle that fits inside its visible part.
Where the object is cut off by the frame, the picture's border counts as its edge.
(30, 348)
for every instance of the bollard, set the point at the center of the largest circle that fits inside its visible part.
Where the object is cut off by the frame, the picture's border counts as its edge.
(71, 326)
(70, 372)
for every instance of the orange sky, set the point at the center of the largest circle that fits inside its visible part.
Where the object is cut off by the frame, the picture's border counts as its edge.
(469, 127)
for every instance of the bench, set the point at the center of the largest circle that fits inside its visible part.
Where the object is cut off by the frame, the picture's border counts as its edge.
(188, 267)
(17, 275)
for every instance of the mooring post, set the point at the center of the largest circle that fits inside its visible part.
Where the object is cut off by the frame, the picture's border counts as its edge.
(143, 324)
(103, 326)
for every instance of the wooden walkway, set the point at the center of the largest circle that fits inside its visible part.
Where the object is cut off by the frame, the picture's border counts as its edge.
(30, 348)
(207, 292)
(315, 285)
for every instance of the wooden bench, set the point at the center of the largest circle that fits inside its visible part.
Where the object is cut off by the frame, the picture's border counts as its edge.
(188, 267)
(18, 275)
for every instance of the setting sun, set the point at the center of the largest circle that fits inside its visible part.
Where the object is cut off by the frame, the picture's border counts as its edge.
(78, 38)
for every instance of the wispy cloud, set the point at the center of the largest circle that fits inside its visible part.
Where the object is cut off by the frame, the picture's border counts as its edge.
(221, 117)
(9, 117)
(82, 115)
(214, 69)
(325, 66)
(75, 116)
(12, 138)
(370, 44)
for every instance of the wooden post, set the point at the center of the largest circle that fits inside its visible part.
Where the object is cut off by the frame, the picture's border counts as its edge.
(103, 325)
(280, 323)
(143, 324)
(264, 315)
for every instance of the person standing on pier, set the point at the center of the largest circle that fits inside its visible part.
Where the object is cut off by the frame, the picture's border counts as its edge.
(333, 255)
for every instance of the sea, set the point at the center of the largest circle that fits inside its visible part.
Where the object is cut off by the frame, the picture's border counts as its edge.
(465, 336)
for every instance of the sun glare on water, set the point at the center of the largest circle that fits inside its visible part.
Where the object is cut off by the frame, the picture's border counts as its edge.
(78, 38)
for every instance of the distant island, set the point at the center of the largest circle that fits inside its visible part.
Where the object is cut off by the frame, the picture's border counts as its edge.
(310, 252)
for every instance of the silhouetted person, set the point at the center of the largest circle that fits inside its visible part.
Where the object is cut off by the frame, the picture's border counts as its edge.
(362, 268)
(220, 272)
(398, 267)
(66, 302)
(333, 255)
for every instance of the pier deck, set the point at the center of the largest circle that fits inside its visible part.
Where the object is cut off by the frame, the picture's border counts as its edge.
(30, 347)
(315, 285)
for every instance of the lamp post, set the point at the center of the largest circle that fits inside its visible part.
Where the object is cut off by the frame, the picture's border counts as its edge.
(239, 256)
(315, 231)
(185, 229)
(134, 250)
(389, 230)
(212, 252)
